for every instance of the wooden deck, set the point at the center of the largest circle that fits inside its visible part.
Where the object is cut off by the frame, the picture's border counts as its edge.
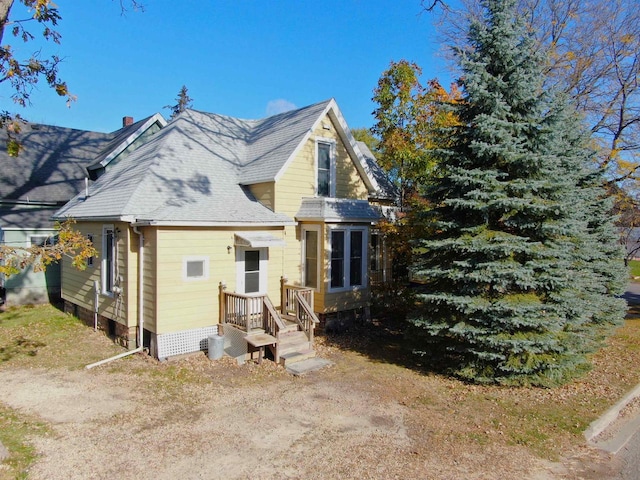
(288, 332)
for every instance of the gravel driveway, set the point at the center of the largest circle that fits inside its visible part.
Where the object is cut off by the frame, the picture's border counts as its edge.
(136, 418)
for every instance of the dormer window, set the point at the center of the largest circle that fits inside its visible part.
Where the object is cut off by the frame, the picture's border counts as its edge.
(326, 169)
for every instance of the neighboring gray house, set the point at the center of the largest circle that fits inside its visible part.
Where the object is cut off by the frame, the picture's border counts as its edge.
(52, 168)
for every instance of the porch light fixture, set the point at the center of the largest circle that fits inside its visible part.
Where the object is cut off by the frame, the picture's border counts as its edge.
(229, 248)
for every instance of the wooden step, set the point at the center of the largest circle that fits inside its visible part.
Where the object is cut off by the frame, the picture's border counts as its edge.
(296, 356)
(290, 327)
(293, 342)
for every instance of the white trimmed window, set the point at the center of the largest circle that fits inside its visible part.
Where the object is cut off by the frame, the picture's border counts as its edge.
(348, 261)
(41, 240)
(326, 168)
(311, 256)
(109, 258)
(195, 268)
(90, 259)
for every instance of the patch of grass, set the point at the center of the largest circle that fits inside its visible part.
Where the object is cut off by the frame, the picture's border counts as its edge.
(547, 422)
(44, 337)
(634, 267)
(371, 357)
(16, 428)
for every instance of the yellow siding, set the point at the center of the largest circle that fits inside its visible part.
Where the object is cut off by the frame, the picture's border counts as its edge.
(185, 304)
(298, 182)
(77, 285)
(299, 179)
(172, 303)
(149, 278)
(264, 193)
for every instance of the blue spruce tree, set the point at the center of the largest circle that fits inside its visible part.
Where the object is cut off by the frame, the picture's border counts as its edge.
(521, 258)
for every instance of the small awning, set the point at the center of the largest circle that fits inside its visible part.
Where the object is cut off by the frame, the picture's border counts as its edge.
(258, 240)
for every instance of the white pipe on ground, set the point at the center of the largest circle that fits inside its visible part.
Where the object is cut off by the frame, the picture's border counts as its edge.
(111, 359)
(140, 306)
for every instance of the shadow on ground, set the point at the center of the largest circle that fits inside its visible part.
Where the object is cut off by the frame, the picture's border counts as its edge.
(382, 339)
(389, 340)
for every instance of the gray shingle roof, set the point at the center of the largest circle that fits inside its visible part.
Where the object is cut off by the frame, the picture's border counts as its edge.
(122, 138)
(336, 210)
(273, 140)
(51, 168)
(25, 216)
(189, 172)
(196, 170)
(385, 187)
(52, 165)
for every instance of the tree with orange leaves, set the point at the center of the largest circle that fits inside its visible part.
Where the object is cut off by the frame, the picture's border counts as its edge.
(408, 119)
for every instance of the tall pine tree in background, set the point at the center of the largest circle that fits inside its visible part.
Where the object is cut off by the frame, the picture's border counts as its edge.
(520, 261)
(183, 101)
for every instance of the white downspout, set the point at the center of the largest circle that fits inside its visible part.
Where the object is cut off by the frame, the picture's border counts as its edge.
(140, 306)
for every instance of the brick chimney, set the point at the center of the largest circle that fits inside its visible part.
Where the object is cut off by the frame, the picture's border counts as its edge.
(127, 121)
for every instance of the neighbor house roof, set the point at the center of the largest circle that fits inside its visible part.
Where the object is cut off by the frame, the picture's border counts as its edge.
(196, 171)
(52, 166)
(385, 188)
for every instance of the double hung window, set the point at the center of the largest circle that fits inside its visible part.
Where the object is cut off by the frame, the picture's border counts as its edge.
(325, 169)
(108, 259)
(348, 262)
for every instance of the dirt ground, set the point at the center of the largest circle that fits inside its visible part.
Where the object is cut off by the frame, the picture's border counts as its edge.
(136, 418)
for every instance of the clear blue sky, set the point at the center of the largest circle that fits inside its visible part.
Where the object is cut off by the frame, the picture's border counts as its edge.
(236, 58)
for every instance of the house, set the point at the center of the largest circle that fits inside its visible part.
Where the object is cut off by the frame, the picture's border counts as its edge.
(50, 170)
(385, 199)
(251, 228)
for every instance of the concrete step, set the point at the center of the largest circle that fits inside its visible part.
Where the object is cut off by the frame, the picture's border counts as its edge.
(308, 365)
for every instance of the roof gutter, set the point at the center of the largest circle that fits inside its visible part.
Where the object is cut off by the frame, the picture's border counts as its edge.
(140, 307)
(161, 223)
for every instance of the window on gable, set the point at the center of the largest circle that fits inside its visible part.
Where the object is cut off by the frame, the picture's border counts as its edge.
(348, 262)
(325, 180)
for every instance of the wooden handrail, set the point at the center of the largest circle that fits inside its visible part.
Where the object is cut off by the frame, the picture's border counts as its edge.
(273, 322)
(244, 311)
(288, 303)
(250, 312)
(305, 316)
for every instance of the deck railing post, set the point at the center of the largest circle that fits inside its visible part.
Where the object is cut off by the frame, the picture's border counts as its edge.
(222, 287)
(283, 294)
